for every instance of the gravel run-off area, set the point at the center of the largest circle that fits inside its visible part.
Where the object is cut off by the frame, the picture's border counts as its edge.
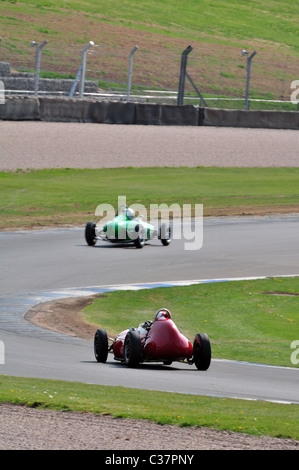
(25, 428)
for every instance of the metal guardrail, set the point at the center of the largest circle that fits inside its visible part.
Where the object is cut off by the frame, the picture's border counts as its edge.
(149, 96)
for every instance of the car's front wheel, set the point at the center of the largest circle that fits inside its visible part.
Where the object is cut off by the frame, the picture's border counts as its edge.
(132, 349)
(90, 233)
(101, 345)
(202, 351)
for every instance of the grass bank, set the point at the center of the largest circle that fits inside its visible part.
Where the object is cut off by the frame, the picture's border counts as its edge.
(222, 21)
(70, 196)
(254, 321)
(217, 31)
(256, 418)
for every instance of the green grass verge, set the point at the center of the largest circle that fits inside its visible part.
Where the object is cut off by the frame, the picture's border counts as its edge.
(254, 321)
(273, 21)
(256, 418)
(72, 195)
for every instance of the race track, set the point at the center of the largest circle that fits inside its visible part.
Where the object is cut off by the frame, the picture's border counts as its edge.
(42, 265)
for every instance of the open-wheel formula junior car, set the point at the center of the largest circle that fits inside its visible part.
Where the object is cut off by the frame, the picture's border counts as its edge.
(126, 228)
(157, 341)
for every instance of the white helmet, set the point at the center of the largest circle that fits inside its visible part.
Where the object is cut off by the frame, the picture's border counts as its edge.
(130, 213)
(162, 313)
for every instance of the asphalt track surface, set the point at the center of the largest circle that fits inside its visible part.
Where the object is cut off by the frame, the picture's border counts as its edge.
(49, 264)
(44, 265)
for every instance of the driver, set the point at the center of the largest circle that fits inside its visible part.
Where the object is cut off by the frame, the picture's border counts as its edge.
(163, 312)
(145, 327)
(130, 213)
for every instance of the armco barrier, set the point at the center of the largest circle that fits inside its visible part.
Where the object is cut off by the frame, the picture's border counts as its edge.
(252, 119)
(119, 112)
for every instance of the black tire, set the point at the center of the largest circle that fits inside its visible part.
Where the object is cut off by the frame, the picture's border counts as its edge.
(101, 345)
(90, 233)
(165, 234)
(202, 351)
(132, 349)
(139, 241)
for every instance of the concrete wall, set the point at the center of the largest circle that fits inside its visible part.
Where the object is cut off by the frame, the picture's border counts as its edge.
(20, 109)
(262, 119)
(75, 110)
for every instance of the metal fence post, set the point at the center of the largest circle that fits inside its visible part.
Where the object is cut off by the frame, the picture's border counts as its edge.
(183, 75)
(2, 92)
(37, 63)
(75, 82)
(130, 72)
(83, 69)
(249, 59)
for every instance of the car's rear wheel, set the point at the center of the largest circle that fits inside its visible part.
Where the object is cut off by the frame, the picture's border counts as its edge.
(202, 351)
(132, 349)
(90, 233)
(139, 241)
(101, 345)
(165, 234)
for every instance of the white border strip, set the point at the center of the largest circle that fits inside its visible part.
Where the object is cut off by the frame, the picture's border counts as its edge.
(91, 290)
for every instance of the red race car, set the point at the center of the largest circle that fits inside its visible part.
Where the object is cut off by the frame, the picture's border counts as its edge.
(157, 341)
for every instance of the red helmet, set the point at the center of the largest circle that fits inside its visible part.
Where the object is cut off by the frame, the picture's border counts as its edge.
(162, 313)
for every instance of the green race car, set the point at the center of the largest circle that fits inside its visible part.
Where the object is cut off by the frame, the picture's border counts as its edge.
(126, 228)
